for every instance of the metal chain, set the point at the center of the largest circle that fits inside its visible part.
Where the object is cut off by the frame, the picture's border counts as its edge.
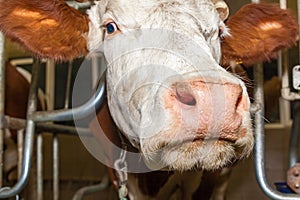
(121, 170)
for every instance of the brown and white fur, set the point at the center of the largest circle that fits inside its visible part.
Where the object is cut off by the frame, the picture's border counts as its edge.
(180, 108)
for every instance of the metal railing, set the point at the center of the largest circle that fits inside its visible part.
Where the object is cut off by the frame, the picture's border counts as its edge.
(259, 151)
(34, 120)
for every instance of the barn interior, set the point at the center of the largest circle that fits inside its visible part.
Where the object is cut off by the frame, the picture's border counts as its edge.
(64, 167)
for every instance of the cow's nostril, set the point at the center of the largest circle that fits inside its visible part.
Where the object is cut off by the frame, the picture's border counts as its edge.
(239, 101)
(186, 98)
(184, 95)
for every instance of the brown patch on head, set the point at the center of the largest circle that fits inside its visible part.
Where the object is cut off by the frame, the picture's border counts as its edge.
(258, 32)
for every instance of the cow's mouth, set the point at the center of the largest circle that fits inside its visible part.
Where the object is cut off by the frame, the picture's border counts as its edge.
(198, 140)
(201, 149)
(226, 139)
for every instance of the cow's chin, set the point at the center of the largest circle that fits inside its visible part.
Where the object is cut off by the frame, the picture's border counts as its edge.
(207, 154)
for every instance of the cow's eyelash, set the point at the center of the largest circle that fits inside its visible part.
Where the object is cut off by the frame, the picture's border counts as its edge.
(102, 26)
(223, 31)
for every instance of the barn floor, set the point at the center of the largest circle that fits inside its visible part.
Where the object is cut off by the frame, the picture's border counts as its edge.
(243, 185)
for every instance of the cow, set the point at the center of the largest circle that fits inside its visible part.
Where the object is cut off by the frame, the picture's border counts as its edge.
(169, 95)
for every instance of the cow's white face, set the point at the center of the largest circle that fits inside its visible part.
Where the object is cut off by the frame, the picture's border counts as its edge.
(166, 91)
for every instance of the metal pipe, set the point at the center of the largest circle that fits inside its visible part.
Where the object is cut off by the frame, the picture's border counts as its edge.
(63, 129)
(29, 138)
(78, 5)
(68, 85)
(2, 103)
(20, 136)
(39, 144)
(55, 167)
(294, 138)
(295, 132)
(55, 142)
(49, 84)
(50, 90)
(91, 189)
(259, 151)
(39, 165)
(94, 103)
(286, 91)
(17, 124)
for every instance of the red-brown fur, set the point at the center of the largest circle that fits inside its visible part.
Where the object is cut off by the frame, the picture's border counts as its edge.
(49, 28)
(249, 42)
(16, 93)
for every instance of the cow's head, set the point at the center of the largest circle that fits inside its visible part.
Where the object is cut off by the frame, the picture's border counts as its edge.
(166, 90)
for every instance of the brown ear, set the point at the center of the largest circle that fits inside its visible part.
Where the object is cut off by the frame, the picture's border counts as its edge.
(258, 32)
(48, 28)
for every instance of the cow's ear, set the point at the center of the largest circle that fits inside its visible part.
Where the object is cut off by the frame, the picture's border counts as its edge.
(222, 9)
(258, 32)
(48, 28)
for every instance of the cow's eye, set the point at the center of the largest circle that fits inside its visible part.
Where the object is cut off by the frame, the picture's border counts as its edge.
(111, 27)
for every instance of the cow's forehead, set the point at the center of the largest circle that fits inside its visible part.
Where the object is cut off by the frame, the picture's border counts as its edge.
(156, 3)
(140, 12)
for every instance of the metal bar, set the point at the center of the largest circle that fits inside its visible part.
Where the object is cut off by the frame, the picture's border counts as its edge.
(78, 5)
(2, 103)
(39, 165)
(29, 138)
(294, 138)
(50, 90)
(20, 135)
(259, 151)
(17, 124)
(55, 167)
(94, 103)
(68, 85)
(49, 83)
(63, 129)
(295, 132)
(56, 139)
(286, 91)
(91, 189)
